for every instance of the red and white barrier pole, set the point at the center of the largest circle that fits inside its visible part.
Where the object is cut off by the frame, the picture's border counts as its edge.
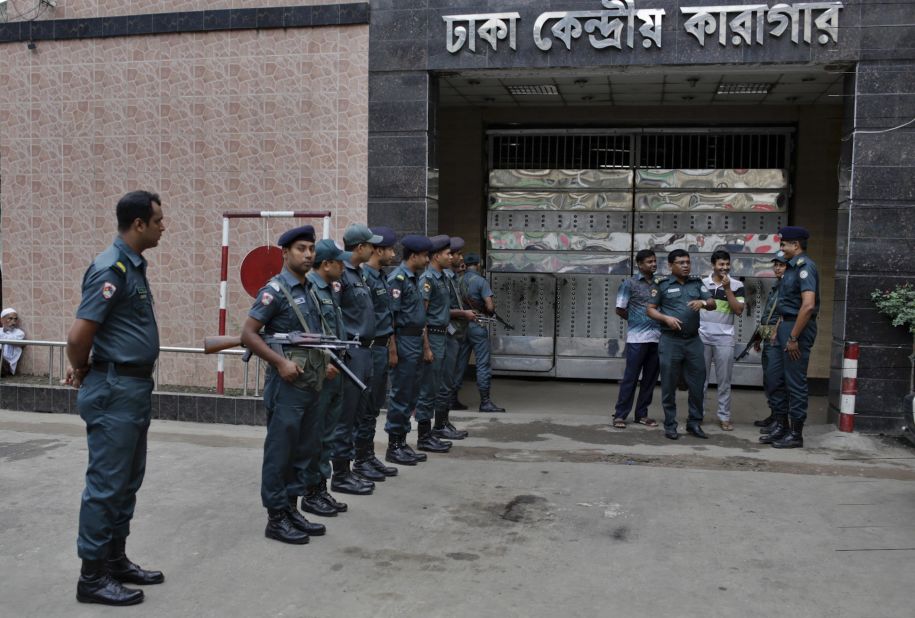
(223, 291)
(849, 387)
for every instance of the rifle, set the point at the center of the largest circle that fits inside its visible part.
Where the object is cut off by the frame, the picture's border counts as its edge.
(755, 338)
(212, 345)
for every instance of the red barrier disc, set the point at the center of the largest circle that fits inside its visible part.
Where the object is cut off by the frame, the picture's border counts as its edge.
(259, 266)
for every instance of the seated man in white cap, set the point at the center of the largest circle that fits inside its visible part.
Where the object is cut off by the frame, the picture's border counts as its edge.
(11, 353)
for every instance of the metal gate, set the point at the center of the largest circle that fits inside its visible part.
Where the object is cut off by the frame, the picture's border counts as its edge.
(569, 209)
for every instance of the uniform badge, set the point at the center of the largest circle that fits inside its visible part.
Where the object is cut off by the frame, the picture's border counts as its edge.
(654, 292)
(108, 290)
(703, 288)
(337, 287)
(395, 293)
(427, 286)
(803, 274)
(266, 298)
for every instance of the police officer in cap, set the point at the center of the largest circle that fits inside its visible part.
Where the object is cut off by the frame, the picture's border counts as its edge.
(359, 323)
(291, 390)
(383, 354)
(410, 347)
(767, 344)
(798, 306)
(478, 296)
(675, 302)
(457, 333)
(116, 322)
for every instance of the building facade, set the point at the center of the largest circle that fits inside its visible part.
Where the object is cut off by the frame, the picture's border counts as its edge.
(557, 137)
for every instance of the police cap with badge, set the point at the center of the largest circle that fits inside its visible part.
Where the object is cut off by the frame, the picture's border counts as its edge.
(793, 232)
(305, 232)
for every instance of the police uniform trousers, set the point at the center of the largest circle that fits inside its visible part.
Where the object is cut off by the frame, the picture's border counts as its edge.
(404, 383)
(431, 378)
(773, 385)
(330, 407)
(377, 393)
(478, 341)
(353, 406)
(116, 410)
(293, 440)
(686, 354)
(451, 379)
(791, 375)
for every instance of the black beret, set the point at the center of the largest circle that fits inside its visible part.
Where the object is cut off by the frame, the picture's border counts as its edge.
(306, 232)
(388, 237)
(440, 242)
(794, 232)
(457, 243)
(472, 258)
(416, 243)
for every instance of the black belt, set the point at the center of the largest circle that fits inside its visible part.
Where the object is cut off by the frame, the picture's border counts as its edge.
(380, 341)
(679, 334)
(124, 369)
(363, 342)
(410, 331)
(789, 318)
(437, 330)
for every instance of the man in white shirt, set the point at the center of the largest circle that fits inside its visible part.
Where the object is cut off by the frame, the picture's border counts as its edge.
(11, 353)
(716, 329)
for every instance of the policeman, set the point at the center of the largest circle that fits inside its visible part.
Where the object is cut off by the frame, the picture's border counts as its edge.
(116, 322)
(293, 381)
(675, 302)
(382, 354)
(436, 297)
(478, 297)
(457, 333)
(777, 399)
(409, 347)
(324, 286)
(798, 305)
(359, 322)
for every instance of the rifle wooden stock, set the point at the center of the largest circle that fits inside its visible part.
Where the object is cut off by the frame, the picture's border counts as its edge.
(212, 345)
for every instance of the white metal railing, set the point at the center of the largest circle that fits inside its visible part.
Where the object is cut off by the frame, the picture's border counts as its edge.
(61, 346)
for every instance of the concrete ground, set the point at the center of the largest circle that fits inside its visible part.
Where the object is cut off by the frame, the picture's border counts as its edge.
(544, 511)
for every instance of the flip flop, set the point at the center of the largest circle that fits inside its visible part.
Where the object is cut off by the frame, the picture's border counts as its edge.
(648, 422)
(619, 423)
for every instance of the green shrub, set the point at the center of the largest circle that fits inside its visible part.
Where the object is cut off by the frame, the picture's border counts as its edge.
(898, 303)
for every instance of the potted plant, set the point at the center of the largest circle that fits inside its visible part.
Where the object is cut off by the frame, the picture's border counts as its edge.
(899, 304)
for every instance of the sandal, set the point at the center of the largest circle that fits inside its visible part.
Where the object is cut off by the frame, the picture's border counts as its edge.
(619, 423)
(648, 422)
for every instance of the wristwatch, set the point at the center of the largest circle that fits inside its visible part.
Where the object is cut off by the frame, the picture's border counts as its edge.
(792, 338)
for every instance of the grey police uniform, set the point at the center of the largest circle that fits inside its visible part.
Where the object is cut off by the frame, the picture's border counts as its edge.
(384, 326)
(434, 289)
(358, 313)
(330, 402)
(800, 276)
(293, 419)
(409, 320)
(115, 397)
(773, 386)
(475, 290)
(680, 350)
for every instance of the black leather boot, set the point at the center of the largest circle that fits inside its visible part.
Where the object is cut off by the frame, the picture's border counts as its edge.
(397, 451)
(778, 430)
(97, 586)
(766, 422)
(362, 464)
(444, 429)
(301, 523)
(122, 569)
(486, 404)
(794, 438)
(340, 507)
(313, 502)
(425, 441)
(280, 528)
(457, 405)
(344, 481)
(377, 463)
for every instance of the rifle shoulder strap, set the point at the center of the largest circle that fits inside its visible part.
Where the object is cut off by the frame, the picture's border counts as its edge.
(772, 310)
(292, 303)
(457, 294)
(327, 329)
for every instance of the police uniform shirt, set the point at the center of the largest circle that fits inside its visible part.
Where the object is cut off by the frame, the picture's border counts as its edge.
(272, 309)
(381, 301)
(770, 316)
(672, 299)
(116, 295)
(406, 303)
(356, 303)
(476, 289)
(327, 295)
(800, 276)
(633, 296)
(451, 281)
(434, 290)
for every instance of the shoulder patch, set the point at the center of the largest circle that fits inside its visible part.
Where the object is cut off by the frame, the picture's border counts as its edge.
(266, 298)
(703, 288)
(427, 286)
(803, 274)
(337, 287)
(654, 291)
(108, 290)
(395, 293)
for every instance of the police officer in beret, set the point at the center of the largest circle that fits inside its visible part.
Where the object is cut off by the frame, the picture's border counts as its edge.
(324, 285)
(798, 305)
(410, 347)
(774, 387)
(116, 322)
(359, 323)
(675, 302)
(292, 384)
(457, 333)
(478, 296)
(383, 354)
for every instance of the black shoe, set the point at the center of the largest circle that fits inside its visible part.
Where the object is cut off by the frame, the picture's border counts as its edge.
(123, 570)
(444, 429)
(457, 405)
(794, 438)
(671, 434)
(380, 467)
(313, 502)
(344, 481)
(486, 404)
(696, 430)
(766, 421)
(303, 524)
(425, 441)
(397, 451)
(280, 528)
(364, 469)
(418, 457)
(778, 430)
(367, 465)
(340, 507)
(96, 585)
